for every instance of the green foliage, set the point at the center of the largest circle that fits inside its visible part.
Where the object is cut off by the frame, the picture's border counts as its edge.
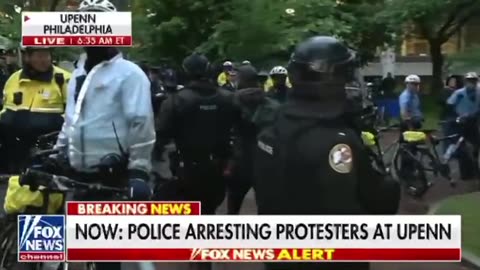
(260, 30)
(10, 24)
(10, 18)
(178, 27)
(314, 18)
(141, 29)
(465, 61)
(434, 19)
(254, 30)
(276, 32)
(369, 30)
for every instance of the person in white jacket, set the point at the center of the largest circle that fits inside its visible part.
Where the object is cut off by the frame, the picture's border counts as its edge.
(109, 115)
(109, 121)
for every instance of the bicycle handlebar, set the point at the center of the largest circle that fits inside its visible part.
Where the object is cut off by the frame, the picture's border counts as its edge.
(61, 183)
(458, 120)
(394, 126)
(449, 121)
(51, 135)
(43, 153)
(4, 178)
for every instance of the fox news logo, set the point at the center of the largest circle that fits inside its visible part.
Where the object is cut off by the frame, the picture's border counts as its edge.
(41, 238)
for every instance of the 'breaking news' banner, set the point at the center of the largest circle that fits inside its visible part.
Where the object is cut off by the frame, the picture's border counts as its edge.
(175, 231)
(77, 29)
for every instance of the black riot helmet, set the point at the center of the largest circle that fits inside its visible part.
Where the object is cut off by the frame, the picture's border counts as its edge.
(320, 67)
(196, 66)
(248, 77)
(169, 78)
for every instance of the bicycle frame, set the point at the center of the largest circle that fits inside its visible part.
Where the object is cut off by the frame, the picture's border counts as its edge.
(381, 152)
(440, 165)
(44, 209)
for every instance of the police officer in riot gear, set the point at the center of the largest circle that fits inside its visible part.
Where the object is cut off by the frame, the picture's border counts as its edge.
(251, 91)
(310, 160)
(199, 119)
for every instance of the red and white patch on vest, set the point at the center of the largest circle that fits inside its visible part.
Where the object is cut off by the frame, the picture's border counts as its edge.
(340, 158)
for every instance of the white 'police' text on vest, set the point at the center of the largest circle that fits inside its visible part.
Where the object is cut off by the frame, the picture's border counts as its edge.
(265, 147)
(208, 107)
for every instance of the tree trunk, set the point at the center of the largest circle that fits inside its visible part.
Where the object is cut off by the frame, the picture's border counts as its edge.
(437, 65)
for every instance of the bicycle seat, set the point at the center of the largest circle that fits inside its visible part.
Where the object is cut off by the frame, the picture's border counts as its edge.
(428, 131)
(443, 138)
(414, 136)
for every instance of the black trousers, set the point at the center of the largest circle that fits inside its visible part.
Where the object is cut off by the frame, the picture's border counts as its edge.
(239, 184)
(467, 156)
(15, 152)
(200, 181)
(99, 196)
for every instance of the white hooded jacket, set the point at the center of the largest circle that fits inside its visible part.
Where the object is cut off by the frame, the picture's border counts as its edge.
(115, 92)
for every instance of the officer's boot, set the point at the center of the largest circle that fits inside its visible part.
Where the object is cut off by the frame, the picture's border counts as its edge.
(465, 164)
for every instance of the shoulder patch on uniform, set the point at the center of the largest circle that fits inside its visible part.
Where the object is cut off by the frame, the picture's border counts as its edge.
(340, 158)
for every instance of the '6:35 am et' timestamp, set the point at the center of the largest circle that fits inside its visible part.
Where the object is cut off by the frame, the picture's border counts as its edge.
(77, 41)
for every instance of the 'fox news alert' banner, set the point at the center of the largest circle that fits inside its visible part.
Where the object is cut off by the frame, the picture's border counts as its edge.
(76, 29)
(175, 231)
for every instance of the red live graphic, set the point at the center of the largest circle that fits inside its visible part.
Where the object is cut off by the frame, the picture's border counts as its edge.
(77, 41)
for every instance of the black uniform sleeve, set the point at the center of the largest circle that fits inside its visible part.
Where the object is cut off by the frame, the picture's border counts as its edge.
(378, 192)
(165, 128)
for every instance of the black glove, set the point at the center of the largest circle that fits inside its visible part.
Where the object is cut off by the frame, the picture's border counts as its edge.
(29, 180)
(58, 164)
(138, 185)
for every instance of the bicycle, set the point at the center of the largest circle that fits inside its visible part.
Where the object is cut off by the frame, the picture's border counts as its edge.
(376, 151)
(42, 143)
(388, 159)
(418, 150)
(52, 184)
(459, 143)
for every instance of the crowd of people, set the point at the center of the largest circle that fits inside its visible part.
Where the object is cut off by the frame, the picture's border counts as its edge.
(298, 144)
(167, 80)
(459, 104)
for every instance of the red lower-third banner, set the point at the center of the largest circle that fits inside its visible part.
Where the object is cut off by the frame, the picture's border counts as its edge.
(264, 254)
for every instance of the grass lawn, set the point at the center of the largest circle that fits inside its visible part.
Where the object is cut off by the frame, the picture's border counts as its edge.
(467, 206)
(432, 111)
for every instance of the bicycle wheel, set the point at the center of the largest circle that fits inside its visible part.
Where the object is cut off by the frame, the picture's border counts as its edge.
(411, 171)
(8, 254)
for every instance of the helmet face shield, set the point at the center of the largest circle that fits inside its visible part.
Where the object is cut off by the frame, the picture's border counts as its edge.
(304, 72)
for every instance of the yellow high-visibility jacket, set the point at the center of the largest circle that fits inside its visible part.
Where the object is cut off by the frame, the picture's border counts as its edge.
(222, 79)
(35, 103)
(269, 83)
